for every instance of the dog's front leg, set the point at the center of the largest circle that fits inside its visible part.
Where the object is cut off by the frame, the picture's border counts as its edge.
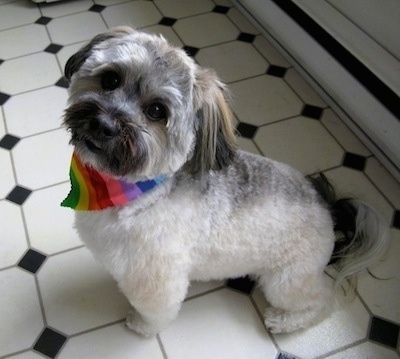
(149, 322)
(155, 303)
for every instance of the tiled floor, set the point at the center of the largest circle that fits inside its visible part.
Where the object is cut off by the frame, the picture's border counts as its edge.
(55, 300)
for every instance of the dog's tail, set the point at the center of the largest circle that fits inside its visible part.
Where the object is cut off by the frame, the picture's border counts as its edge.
(362, 234)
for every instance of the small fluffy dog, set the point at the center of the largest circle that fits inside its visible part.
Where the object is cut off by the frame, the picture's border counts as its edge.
(140, 109)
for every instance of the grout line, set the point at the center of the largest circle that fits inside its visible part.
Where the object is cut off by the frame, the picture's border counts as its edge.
(204, 293)
(91, 330)
(32, 90)
(42, 132)
(261, 317)
(161, 345)
(66, 251)
(41, 303)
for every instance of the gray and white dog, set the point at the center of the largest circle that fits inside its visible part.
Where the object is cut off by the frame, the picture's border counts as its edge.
(139, 109)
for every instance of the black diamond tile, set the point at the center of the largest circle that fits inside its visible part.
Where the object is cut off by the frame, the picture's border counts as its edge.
(244, 284)
(285, 356)
(44, 20)
(312, 111)
(384, 332)
(396, 219)
(97, 8)
(276, 71)
(167, 21)
(50, 342)
(245, 37)
(32, 261)
(191, 51)
(8, 142)
(18, 195)
(53, 48)
(3, 98)
(62, 82)
(221, 9)
(246, 130)
(354, 161)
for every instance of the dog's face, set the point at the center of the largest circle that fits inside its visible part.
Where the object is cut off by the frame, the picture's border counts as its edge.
(140, 108)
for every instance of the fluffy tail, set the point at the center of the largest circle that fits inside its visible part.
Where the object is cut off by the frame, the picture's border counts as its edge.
(362, 234)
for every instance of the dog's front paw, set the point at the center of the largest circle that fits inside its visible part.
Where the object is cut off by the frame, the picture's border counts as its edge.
(135, 322)
(274, 320)
(283, 321)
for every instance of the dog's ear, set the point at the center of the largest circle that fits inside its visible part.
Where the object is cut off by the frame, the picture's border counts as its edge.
(76, 61)
(216, 141)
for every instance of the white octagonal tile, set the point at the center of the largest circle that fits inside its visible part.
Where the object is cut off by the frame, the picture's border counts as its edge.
(43, 160)
(2, 128)
(197, 288)
(30, 38)
(13, 238)
(21, 318)
(67, 51)
(300, 142)
(303, 89)
(241, 21)
(231, 60)
(386, 183)
(110, 343)
(29, 73)
(227, 3)
(273, 56)
(68, 29)
(248, 145)
(27, 355)
(263, 100)
(343, 134)
(215, 29)
(136, 14)
(183, 8)
(223, 324)
(108, 2)
(348, 324)
(50, 226)
(18, 13)
(7, 181)
(78, 294)
(365, 350)
(62, 8)
(37, 111)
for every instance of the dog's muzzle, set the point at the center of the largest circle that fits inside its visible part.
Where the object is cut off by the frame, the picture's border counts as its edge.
(101, 130)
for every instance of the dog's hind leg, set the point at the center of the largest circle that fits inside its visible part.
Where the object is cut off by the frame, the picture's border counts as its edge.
(298, 299)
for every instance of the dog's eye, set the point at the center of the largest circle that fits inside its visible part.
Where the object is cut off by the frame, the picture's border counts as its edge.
(156, 112)
(110, 81)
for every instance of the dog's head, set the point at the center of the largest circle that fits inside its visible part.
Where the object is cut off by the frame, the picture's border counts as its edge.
(140, 108)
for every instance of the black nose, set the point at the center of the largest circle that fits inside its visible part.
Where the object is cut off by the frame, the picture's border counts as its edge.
(103, 129)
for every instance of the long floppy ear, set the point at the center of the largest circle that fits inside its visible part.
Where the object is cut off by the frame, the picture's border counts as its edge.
(216, 141)
(76, 61)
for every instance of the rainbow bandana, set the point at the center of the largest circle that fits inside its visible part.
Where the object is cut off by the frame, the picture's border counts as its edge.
(93, 190)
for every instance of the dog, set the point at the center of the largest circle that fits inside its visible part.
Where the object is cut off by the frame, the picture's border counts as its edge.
(140, 109)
